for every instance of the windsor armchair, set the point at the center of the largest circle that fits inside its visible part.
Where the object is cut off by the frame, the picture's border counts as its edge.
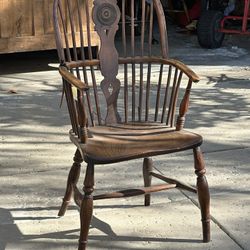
(123, 106)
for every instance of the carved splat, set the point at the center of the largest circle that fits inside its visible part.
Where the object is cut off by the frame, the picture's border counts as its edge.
(106, 16)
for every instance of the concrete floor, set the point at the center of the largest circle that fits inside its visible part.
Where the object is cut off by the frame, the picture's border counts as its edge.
(35, 155)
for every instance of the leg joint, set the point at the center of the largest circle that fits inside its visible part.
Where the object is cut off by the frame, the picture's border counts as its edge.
(201, 172)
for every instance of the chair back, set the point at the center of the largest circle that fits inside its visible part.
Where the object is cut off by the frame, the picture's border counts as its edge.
(126, 82)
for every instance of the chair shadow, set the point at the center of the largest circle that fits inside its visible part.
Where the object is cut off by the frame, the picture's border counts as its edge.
(10, 233)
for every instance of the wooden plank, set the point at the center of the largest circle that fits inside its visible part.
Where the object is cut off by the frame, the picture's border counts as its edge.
(33, 43)
(92, 26)
(27, 43)
(82, 7)
(74, 10)
(48, 17)
(6, 18)
(23, 20)
(0, 18)
(38, 17)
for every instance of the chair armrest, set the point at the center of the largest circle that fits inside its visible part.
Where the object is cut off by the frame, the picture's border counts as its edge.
(185, 69)
(71, 79)
(82, 63)
(183, 109)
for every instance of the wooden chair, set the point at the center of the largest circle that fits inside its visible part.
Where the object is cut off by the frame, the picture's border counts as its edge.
(123, 107)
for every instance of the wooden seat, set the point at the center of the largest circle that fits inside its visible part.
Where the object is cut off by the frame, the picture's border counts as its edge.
(131, 141)
(126, 103)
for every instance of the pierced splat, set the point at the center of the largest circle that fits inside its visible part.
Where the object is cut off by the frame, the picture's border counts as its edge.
(106, 16)
(110, 88)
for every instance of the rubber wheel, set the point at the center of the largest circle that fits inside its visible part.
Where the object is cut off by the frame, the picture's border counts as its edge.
(207, 29)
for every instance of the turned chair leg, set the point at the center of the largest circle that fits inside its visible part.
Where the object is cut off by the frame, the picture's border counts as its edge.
(203, 193)
(73, 177)
(147, 169)
(86, 209)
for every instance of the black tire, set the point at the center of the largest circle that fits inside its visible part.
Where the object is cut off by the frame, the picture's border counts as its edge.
(207, 29)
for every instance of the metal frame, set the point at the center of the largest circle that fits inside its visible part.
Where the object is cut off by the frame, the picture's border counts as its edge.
(245, 18)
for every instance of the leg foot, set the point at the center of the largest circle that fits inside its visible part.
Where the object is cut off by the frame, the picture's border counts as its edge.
(206, 230)
(72, 180)
(82, 245)
(147, 168)
(203, 193)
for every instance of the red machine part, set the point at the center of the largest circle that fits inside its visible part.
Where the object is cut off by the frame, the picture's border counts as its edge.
(245, 18)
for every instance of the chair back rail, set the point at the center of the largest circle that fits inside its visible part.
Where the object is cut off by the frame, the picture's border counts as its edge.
(121, 89)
